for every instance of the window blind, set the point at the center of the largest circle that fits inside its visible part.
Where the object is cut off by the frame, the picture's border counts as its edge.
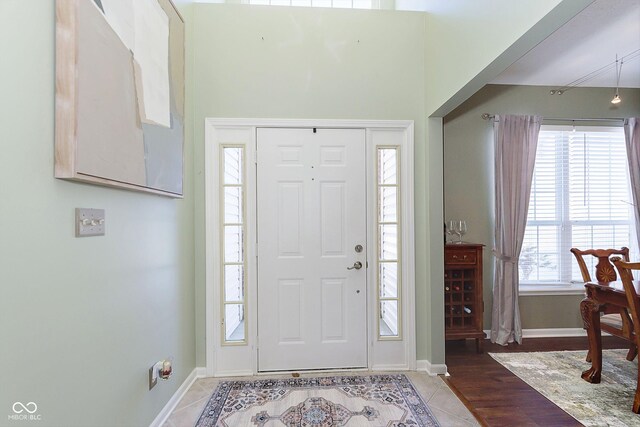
(580, 197)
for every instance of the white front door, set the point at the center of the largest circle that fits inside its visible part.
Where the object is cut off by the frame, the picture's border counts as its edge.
(311, 217)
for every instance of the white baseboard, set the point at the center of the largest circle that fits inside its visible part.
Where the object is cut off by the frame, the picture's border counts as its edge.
(399, 367)
(553, 332)
(239, 373)
(550, 333)
(164, 414)
(431, 369)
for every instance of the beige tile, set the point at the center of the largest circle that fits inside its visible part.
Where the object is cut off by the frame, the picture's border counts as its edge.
(446, 401)
(208, 383)
(447, 420)
(425, 385)
(187, 416)
(196, 393)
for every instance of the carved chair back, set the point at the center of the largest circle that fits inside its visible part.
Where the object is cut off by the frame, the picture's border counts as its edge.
(604, 269)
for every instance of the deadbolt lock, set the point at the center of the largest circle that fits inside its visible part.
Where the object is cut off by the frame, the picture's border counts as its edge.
(358, 248)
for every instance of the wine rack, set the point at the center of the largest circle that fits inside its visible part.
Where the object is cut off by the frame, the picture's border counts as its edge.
(463, 304)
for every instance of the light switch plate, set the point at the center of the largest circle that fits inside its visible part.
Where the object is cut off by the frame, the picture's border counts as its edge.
(90, 222)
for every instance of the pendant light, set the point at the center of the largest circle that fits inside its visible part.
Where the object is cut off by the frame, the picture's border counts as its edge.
(616, 98)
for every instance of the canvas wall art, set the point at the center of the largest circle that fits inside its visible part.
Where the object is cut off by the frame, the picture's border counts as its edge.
(120, 94)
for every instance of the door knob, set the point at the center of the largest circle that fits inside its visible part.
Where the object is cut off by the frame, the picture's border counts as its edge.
(356, 265)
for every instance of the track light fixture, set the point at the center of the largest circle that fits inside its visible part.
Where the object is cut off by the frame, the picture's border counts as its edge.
(617, 64)
(616, 98)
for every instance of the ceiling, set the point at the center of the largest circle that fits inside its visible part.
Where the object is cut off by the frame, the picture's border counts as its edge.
(584, 45)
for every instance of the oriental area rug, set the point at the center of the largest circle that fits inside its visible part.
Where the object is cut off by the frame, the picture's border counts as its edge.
(368, 400)
(556, 375)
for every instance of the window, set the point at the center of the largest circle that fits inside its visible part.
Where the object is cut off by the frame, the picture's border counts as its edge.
(388, 243)
(233, 245)
(580, 197)
(347, 4)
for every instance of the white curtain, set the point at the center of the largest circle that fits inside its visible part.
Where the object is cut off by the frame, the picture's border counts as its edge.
(516, 139)
(632, 137)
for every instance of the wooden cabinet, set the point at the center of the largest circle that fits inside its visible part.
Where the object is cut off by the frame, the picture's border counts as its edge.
(463, 304)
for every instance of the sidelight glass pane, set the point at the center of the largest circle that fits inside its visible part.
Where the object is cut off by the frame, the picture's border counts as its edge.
(233, 205)
(388, 242)
(387, 166)
(388, 318)
(388, 280)
(233, 243)
(233, 165)
(388, 204)
(233, 283)
(234, 322)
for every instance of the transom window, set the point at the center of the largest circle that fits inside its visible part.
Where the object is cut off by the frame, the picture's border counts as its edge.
(408, 5)
(580, 197)
(346, 4)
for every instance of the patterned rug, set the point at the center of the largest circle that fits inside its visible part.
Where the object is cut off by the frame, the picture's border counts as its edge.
(556, 375)
(371, 400)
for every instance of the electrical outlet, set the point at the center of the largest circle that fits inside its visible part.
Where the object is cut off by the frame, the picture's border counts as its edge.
(153, 376)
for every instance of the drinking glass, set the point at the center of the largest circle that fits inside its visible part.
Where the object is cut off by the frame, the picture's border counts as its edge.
(461, 229)
(451, 229)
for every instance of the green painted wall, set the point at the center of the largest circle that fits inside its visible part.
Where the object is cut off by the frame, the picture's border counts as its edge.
(468, 173)
(468, 43)
(311, 65)
(301, 63)
(81, 319)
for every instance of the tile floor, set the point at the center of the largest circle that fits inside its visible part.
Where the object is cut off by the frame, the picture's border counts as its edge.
(446, 407)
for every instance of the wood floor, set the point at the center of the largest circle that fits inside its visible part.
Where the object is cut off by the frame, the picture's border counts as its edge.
(495, 396)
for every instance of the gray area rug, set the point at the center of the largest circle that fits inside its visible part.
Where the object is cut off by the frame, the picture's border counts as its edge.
(376, 400)
(556, 375)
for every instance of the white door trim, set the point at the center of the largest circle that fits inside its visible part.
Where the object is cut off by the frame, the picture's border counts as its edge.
(242, 360)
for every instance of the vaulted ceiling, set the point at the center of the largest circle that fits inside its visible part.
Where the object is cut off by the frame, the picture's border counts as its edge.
(586, 44)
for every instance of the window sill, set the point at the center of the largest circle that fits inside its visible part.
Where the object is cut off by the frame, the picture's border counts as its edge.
(556, 289)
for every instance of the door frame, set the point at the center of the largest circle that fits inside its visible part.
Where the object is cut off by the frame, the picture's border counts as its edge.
(382, 354)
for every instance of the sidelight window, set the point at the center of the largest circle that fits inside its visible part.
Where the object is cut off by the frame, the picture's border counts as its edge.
(233, 245)
(388, 229)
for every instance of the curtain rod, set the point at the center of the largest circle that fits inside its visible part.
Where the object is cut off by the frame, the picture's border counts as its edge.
(487, 116)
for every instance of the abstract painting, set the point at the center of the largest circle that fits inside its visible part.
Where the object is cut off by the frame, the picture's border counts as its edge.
(120, 94)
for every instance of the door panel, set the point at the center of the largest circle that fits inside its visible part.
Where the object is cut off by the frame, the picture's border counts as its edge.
(311, 215)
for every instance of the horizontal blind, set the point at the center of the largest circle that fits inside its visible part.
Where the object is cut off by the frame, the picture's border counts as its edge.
(580, 198)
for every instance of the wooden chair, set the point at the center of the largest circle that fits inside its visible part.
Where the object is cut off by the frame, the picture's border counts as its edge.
(614, 321)
(626, 275)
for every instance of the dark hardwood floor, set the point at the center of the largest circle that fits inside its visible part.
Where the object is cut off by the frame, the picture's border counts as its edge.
(494, 395)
